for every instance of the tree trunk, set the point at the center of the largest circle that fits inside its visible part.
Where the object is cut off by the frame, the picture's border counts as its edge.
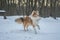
(42, 7)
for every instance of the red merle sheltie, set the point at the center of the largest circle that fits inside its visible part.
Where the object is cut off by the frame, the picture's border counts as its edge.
(30, 20)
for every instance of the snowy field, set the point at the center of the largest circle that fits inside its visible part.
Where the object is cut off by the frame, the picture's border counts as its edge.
(10, 30)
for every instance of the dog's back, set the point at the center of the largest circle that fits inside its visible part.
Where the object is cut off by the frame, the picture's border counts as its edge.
(27, 20)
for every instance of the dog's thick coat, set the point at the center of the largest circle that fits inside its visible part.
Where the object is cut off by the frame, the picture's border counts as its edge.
(26, 22)
(30, 20)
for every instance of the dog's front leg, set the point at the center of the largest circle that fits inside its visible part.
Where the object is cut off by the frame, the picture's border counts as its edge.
(35, 29)
(38, 26)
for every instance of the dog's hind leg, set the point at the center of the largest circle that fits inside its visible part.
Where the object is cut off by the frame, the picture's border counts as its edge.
(25, 27)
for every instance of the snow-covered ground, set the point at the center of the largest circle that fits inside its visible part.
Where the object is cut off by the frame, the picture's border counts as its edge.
(10, 30)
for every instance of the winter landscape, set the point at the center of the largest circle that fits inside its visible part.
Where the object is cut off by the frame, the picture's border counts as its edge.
(10, 30)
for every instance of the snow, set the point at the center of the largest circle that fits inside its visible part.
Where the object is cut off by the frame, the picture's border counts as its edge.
(10, 30)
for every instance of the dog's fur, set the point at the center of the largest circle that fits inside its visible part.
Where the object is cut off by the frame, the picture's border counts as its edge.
(29, 20)
(26, 22)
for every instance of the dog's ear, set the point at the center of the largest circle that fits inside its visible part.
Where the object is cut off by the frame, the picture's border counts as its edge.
(37, 12)
(33, 12)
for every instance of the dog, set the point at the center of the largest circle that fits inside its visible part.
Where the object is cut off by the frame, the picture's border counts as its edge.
(26, 22)
(29, 20)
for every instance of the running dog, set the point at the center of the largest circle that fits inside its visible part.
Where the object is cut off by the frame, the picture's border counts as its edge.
(26, 22)
(29, 20)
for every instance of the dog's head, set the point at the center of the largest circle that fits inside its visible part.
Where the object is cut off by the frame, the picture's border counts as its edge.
(19, 20)
(35, 13)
